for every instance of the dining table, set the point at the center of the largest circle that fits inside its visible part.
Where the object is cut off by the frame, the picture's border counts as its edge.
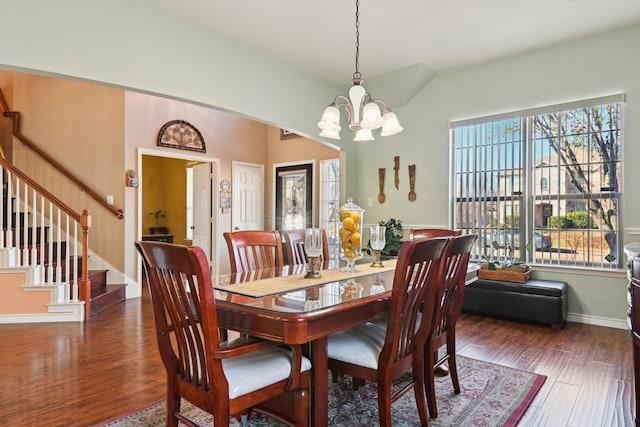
(280, 304)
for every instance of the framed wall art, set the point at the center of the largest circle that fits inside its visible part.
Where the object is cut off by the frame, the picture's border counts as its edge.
(182, 135)
(287, 134)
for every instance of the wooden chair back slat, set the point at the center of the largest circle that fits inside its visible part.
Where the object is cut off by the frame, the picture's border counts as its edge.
(187, 335)
(446, 308)
(418, 271)
(254, 250)
(429, 233)
(188, 339)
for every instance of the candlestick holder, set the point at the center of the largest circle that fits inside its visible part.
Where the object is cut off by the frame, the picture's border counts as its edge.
(377, 241)
(313, 273)
(313, 248)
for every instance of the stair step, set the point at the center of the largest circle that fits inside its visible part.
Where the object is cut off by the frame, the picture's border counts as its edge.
(112, 295)
(98, 279)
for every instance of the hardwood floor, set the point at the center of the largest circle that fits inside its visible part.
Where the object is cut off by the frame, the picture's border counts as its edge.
(75, 375)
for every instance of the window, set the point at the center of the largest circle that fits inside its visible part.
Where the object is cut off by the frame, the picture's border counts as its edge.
(542, 186)
(544, 183)
(294, 194)
(330, 203)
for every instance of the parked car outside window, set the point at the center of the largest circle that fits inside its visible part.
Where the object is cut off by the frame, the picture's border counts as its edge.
(511, 238)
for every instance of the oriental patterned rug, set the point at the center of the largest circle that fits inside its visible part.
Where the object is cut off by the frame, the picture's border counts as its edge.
(491, 395)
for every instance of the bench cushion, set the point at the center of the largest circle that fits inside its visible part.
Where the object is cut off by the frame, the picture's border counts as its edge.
(533, 287)
(540, 301)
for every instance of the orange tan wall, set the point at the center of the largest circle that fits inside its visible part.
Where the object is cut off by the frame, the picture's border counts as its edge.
(80, 125)
(6, 84)
(290, 151)
(16, 300)
(228, 137)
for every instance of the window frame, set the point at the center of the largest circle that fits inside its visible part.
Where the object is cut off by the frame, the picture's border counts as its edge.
(530, 203)
(330, 203)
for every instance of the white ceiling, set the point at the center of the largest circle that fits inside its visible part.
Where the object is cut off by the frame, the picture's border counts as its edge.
(318, 36)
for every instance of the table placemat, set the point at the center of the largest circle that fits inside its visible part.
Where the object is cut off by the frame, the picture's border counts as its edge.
(276, 285)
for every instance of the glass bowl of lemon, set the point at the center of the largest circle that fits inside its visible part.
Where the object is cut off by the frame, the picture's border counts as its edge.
(351, 217)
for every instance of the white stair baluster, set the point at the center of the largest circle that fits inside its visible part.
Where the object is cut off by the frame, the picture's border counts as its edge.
(50, 278)
(25, 226)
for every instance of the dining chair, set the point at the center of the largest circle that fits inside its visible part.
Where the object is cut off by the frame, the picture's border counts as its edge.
(446, 311)
(428, 233)
(254, 250)
(294, 242)
(223, 378)
(371, 353)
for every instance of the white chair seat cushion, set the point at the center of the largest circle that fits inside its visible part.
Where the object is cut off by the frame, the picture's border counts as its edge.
(359, 346)
(381, 322)
(253, 371)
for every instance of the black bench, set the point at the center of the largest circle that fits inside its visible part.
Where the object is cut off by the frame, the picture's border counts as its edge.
(540, 301)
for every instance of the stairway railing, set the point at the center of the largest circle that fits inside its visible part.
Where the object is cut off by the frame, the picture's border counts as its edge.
(41, 232)
(15, 117)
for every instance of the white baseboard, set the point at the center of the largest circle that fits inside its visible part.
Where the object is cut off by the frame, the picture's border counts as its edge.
(70, 312)
(598, 321)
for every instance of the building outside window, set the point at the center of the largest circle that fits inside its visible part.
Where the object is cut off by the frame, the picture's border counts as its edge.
(542, 186)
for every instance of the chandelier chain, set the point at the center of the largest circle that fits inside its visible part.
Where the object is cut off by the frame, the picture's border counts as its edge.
(357, 74)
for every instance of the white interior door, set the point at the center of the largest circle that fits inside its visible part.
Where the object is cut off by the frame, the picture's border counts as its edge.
(247, 188)
(203, 208)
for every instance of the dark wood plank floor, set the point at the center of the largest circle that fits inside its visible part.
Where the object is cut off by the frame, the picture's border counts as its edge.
(68, 374)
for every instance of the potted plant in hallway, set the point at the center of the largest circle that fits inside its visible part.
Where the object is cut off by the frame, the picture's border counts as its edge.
(158, 219)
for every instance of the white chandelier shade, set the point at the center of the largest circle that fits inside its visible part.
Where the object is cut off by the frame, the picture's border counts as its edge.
(363, 112)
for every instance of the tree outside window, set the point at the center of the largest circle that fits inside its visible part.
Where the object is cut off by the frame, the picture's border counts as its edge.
(569, 212)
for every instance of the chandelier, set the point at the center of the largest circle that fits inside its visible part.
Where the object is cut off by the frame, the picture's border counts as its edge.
(363, 111)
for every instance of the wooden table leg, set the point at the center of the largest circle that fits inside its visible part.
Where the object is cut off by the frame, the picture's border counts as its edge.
(320, 386)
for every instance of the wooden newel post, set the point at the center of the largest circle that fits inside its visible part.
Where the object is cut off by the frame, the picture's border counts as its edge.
(84, 285)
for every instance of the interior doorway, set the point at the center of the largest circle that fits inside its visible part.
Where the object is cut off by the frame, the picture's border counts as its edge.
(247, 186)
(163, 186)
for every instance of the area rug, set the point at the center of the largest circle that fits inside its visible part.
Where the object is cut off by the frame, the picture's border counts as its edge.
(491, 395)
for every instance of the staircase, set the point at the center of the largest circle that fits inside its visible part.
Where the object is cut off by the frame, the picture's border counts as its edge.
(44, 246)
(42, 258)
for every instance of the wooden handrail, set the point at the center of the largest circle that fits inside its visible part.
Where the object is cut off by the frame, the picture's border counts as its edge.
(59, 203)
(4, 107)
(15, 117)
(84, 284)
(84, 219)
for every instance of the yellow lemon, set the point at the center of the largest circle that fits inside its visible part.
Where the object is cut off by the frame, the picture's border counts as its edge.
(349, 224)
(355, 239)
(344, 213)
(348, 294)
(344, 235)
(355, 216)
(349, 253)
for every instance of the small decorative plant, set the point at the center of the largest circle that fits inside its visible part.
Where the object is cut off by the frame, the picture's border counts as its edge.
(158, 216)
(158, 219)
(393, 237)
(492, 264)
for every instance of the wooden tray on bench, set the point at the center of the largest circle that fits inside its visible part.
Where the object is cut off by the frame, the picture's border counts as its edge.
(516, 275)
